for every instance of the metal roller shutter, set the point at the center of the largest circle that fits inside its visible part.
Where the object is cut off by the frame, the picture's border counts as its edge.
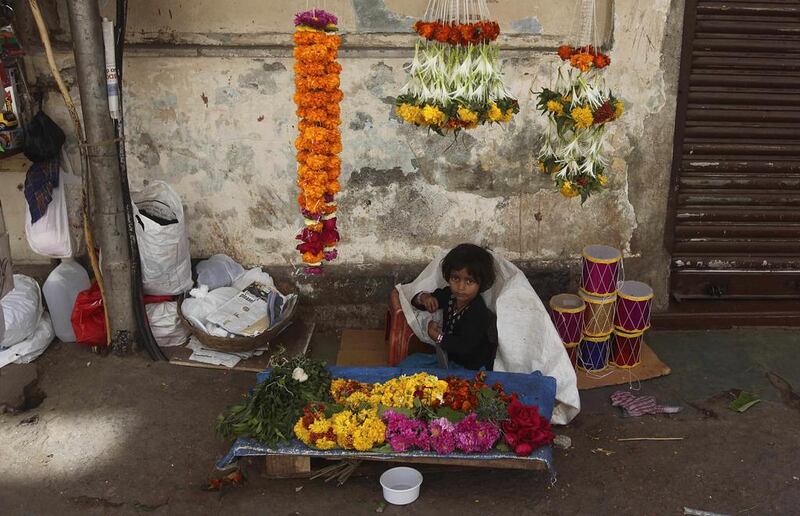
(735, 198)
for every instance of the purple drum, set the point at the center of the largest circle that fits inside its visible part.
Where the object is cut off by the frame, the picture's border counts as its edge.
(601, 270)
(633, 307)
(567, 311)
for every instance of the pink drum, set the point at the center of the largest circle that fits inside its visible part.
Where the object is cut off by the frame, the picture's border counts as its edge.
(601, 270)
(626, 351)
(567, 310)
(633, 307)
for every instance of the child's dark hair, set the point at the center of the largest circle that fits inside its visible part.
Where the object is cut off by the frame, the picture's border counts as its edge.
(475, 259)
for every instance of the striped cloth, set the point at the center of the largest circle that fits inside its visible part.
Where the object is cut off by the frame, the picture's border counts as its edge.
(634, 406)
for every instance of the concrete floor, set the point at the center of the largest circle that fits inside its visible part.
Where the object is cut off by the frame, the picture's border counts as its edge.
(126, 436)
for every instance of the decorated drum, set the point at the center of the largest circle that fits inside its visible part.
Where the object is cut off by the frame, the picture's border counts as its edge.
(601, 268)
(572, 352)
(599, 317)
(567, 311)
(593, 353)
(633, 307)
(626, 350)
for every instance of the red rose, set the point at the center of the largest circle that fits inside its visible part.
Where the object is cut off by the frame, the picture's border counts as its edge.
(510, 428)
(523, 450)
(524, 415)
(525, 430)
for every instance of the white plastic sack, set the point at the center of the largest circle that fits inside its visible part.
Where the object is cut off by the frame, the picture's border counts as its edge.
(22, 309)
(165, 325)
(218, 271)
(254, 275)
(50, 235)
(31, 348)
(528, 340)
(163, 250)
(202, 303)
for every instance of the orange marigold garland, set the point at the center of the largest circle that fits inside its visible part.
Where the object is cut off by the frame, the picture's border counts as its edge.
(319, 142)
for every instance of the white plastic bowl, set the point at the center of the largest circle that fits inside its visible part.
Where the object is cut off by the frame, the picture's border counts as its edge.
(401, 485)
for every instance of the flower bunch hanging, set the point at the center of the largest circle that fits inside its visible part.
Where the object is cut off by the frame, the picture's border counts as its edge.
(317, 96)
(458, 33)
(578, 109)
(583, 58)
(455, 79)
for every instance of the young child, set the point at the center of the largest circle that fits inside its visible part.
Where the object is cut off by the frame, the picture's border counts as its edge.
(468, 323)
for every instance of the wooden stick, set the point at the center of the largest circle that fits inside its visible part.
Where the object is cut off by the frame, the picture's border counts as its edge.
(73, 113)
(651, 439)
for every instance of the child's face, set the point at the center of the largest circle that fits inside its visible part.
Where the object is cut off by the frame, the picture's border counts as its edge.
(464, 287)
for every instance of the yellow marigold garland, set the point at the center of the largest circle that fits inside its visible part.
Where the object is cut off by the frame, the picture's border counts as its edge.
(317, 96)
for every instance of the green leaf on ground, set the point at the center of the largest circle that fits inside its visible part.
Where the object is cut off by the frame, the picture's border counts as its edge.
(744, 401)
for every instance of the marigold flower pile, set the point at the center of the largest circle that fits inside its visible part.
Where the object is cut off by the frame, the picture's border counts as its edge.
(578, 109)
(455, 79)
(421, 412)
(319, 142)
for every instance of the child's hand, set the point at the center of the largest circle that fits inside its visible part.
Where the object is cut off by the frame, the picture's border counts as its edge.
(430, 302)
(433, 330)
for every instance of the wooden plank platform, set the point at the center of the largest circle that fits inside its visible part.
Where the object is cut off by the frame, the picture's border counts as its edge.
(294, 340)
(298, 466)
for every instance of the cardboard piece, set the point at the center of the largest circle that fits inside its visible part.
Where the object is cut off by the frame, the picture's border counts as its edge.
(650, 367)
(363, 348)
(368, 348)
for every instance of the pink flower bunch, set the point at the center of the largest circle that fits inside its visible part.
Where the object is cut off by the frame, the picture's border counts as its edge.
(404, 433)
(443, 436)
(473, 436)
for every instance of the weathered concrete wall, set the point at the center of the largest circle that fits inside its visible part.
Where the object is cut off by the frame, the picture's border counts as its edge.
(209, 109)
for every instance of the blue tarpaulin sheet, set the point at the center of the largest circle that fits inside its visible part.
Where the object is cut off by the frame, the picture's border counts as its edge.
(532, 389)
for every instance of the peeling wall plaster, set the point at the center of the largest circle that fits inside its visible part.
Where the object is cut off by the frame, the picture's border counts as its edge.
(221, 130)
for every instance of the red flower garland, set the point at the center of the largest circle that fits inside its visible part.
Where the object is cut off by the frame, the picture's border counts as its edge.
(458, 33)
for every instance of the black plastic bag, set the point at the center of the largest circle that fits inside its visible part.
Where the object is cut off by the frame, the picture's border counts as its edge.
(43, 139)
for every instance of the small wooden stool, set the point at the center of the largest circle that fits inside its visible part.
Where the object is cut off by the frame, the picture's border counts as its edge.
(399, 337)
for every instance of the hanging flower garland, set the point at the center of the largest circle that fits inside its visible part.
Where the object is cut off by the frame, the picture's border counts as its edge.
(317, 96)
(578, 109)
(455, 79)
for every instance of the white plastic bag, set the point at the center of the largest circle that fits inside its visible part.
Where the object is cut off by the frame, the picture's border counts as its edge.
(202, 303)
(163, 249)
(165, 325)
(218, 271)
(50, 235)
(254, 275)
(30, 349)
(22, 309)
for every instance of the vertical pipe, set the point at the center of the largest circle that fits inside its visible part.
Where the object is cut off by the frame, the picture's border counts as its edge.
(101, 150)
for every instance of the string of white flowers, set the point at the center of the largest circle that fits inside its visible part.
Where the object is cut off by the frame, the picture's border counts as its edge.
(443, 74)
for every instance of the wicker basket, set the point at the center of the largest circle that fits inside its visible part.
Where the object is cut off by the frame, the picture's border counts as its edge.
(241, 343)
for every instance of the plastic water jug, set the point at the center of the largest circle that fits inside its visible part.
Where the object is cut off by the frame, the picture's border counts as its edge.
(60, 290)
